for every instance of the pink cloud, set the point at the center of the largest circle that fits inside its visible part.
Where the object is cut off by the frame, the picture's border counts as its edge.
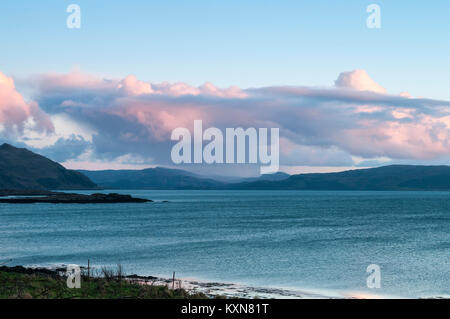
(424, 138)
(207, 89)
(233, 91)
(132, 86)
(15, 112)
(72, 80)
(358, 80)
(160, 118)
(317, 125)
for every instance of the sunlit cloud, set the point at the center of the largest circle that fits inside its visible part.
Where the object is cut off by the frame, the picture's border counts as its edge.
(351, 124)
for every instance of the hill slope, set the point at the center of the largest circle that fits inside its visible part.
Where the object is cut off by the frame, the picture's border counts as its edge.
(23, 169)
(394, 177)
(151, 178)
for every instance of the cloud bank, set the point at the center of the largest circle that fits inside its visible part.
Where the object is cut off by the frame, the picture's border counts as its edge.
(17, 115)
(82, 118)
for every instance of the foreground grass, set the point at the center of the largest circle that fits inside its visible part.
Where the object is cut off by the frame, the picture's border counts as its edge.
(17, 285)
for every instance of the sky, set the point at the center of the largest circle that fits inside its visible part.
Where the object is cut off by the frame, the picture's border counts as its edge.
(107, 95)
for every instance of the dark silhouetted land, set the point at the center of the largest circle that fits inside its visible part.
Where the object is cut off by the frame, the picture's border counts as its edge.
(21, 169)
(63, 198)
(26, 283)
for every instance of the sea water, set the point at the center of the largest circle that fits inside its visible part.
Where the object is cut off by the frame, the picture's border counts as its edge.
(304, 240)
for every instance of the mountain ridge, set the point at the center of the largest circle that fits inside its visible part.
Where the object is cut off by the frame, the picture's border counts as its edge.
(22, 169)
(391, 177)
(151, 178)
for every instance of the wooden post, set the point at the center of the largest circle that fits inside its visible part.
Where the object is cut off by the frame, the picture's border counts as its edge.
(89, 269)
(173, 281)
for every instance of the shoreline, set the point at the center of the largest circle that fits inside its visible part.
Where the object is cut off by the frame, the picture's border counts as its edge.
(212, 289)
(215, 289)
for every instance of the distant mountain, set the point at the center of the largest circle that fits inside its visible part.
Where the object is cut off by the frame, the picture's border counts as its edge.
(236, 179)
(23, 169)
(167, 178)
(394, 177)
(279, 176)
(151, 178)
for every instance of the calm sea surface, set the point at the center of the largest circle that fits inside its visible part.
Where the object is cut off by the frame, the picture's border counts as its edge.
(294, 239)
